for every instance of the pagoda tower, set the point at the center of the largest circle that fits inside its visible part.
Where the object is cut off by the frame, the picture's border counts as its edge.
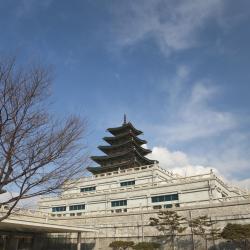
(124, 150)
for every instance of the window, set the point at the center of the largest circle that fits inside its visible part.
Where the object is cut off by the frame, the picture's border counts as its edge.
(59, 209)
(157, 207)
(161, 198)
(88, 189)
(77, 207)
(168, 206)
(127, 183)
(118, 203)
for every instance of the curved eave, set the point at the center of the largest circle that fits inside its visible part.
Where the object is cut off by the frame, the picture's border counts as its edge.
(118, 130)
(102, 159)
(99, 170)
(111, 139)
(108, 149)
(147, 161)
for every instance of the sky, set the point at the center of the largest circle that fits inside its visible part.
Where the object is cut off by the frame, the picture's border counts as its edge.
(179, 69)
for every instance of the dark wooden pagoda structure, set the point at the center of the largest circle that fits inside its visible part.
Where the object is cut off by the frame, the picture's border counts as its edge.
(124, 150)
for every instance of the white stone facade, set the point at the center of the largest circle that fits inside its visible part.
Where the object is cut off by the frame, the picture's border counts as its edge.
(143, 188)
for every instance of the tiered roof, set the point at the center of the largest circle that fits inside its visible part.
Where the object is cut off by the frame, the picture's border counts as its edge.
(124, 150)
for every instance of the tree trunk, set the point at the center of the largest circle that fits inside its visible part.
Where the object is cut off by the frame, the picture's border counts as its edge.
(173, 242)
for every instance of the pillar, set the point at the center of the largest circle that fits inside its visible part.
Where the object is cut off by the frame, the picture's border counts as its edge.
(79, 241)
(12, 243)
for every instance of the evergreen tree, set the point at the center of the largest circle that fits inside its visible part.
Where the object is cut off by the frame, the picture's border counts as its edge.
(168, 223)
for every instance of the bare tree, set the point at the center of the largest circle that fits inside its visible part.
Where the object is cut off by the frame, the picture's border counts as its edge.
(38, 154)
(203, 226)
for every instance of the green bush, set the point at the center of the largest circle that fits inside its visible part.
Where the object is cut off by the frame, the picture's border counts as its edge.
(147, 246)
(116, 245)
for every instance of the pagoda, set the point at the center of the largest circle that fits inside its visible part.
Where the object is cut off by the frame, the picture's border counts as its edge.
(124, 150)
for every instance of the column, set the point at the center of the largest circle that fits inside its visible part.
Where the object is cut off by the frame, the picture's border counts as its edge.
(12, 243)
(79, 241)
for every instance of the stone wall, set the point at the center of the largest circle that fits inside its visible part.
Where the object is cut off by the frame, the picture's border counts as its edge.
(134, 226)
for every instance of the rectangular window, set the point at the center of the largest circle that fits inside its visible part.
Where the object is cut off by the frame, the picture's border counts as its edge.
(88, 189)
(118, 203)
(157, 207)
(59, 209)
(77, 207)
(161, 198)
(127, 183)
(168, 206)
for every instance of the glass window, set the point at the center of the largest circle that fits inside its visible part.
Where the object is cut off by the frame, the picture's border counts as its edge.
(161, 198)
(127, 183)
(88, 189)
(118, 203)
(168, 205)
(157, 207)
(77, 207)
(59, 209)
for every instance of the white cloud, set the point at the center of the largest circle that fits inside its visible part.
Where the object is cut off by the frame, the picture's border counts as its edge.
(196, 119)
(180, 163)
(212, 136)
(172, 24)
(190, 114)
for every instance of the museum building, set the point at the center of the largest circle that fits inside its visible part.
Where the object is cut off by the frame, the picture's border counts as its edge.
(127, 181)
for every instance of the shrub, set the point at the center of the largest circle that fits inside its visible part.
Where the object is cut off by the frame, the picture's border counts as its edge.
(116, 245)
(146, 246)
(236, 231)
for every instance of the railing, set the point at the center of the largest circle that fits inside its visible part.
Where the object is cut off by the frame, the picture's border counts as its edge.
(173, 181)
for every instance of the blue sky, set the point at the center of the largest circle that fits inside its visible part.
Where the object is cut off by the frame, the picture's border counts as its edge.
(178, 69)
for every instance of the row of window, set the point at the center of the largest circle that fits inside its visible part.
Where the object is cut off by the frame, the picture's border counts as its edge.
(124, 210)
(127, 183)
(88, 189)
(119, 210)
(77, 207)
(93, 188)
(59, 209)
(71, 207)
(168, 197)
(118, 203)
(166, 206)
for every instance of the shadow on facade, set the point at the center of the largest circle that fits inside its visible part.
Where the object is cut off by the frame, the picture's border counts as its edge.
(64, 242)
(35, 242)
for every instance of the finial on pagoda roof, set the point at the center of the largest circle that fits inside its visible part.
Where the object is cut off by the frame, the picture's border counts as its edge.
(124, 119)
